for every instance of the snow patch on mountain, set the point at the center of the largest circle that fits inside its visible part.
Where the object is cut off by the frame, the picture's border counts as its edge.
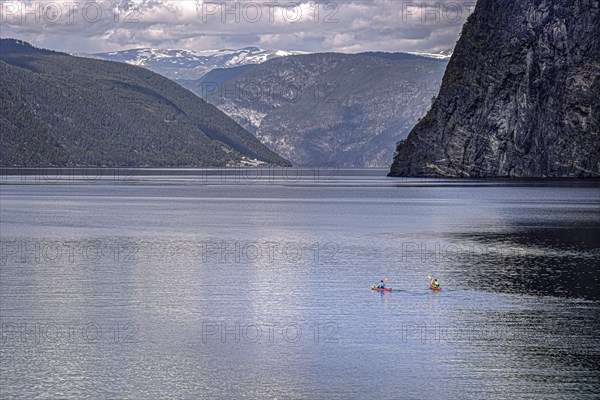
(442, 55)
(189, 64)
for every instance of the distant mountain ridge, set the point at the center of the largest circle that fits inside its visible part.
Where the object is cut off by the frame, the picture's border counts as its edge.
(180, 64)
(189, 64)
(373, 104)
(60, 110)
(327, 108)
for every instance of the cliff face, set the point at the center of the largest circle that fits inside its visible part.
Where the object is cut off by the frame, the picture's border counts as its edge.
(520, 96)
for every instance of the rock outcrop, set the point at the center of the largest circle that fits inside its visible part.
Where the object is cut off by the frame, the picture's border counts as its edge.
(520, 96)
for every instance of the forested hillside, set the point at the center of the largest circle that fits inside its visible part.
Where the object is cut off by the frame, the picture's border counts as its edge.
(56, 109)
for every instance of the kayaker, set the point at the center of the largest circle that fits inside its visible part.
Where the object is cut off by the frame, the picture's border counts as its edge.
(381, 285)
(435, 284)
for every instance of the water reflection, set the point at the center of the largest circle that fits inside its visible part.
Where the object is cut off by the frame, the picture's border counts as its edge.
(517, 315)
(540, 260)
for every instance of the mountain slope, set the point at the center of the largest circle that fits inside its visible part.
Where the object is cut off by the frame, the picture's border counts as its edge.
(329, 108)
(99, 113)
(520, 97)
(25, 139)
(211, 82)
(187, 64)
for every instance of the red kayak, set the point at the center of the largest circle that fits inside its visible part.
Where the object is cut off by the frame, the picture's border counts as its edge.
(435, 288)
(381, 289)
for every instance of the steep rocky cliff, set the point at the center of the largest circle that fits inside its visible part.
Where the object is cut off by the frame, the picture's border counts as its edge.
(520, 96)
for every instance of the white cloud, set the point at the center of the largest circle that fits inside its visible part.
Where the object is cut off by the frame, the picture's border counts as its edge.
(348, 25)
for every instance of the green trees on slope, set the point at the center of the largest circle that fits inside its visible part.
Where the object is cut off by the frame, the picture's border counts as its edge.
(64, 110)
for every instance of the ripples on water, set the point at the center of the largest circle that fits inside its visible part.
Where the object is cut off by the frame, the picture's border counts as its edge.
(122, 288)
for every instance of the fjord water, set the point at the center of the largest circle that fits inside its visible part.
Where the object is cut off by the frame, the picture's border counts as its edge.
(180, 284)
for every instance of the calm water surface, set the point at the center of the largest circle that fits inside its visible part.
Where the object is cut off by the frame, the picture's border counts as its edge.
(186, 285)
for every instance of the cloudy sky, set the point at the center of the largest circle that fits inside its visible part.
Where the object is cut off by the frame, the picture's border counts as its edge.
(343, 26)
